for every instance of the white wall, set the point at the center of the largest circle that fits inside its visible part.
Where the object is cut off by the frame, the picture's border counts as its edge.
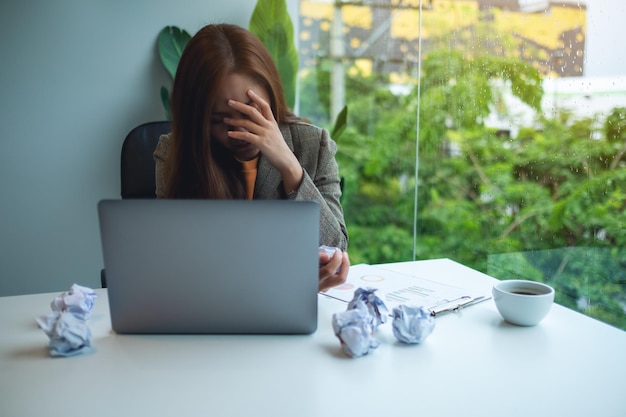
(75, 77)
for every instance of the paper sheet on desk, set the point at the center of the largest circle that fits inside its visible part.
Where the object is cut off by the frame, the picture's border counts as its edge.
(396, 288)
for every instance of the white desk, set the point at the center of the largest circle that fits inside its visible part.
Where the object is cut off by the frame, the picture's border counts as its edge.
(473, 364)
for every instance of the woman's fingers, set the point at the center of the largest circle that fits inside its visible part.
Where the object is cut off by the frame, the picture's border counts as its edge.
(335, 271)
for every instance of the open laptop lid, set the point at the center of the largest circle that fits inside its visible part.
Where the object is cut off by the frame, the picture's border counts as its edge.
(211, 266)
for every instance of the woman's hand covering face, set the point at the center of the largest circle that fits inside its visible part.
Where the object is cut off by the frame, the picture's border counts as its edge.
(259, 128)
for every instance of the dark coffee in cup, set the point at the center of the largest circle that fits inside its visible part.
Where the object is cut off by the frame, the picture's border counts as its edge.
(524, 293)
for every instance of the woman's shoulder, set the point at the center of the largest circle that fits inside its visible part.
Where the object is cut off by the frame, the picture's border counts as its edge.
(166, 139)
(308, 140)
(164, 144)
(305, 126)
(304, 130)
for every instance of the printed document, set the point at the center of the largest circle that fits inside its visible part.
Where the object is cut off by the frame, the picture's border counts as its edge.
(396, 288)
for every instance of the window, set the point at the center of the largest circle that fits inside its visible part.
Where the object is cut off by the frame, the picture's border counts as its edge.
(478, 130)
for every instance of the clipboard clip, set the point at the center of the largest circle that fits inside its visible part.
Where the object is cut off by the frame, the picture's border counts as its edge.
(453, 306)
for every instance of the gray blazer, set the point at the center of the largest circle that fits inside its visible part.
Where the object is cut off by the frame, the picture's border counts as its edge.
(316, 152)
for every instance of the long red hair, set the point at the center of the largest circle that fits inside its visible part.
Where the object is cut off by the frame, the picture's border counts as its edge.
(198, 167)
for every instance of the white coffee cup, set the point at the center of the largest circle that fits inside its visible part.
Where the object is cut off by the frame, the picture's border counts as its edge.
(522, 302)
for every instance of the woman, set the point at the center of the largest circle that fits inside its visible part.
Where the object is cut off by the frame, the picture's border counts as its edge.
(233, 137)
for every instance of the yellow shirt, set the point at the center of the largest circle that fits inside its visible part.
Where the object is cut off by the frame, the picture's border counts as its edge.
(249, 170)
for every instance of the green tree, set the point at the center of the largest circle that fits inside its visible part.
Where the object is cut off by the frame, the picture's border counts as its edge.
(507, 206)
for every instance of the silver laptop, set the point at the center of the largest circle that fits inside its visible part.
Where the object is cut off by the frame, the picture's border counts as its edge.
(211, 266)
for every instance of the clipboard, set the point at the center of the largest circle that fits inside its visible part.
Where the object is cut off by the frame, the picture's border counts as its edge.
(455, 306)
(396, 288)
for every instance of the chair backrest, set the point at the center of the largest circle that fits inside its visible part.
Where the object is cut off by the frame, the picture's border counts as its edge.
(137, 162)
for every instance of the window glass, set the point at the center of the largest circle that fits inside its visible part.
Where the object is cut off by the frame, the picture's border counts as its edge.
(491, 132)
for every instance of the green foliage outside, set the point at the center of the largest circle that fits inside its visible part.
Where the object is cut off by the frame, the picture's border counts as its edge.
(547, 205)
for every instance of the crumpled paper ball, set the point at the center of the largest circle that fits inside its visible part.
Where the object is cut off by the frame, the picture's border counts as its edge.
(69, 334)
(374, 304)
(78, 300)
(412, 324)
(330, 251)
(66, 326)
(355, 330)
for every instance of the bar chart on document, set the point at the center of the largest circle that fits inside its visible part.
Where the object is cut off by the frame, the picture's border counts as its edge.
(396, 288)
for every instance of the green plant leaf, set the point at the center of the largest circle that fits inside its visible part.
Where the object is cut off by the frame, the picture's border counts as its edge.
(165, 99)
(171, 43)
(340, 123)
(272, 24)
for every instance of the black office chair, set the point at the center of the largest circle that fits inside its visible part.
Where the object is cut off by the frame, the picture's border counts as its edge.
(137, 164)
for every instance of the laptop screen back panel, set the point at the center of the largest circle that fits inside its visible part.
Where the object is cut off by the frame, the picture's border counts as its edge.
(209, 266)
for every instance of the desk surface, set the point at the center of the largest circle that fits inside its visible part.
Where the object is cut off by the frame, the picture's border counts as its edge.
(472, 364)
